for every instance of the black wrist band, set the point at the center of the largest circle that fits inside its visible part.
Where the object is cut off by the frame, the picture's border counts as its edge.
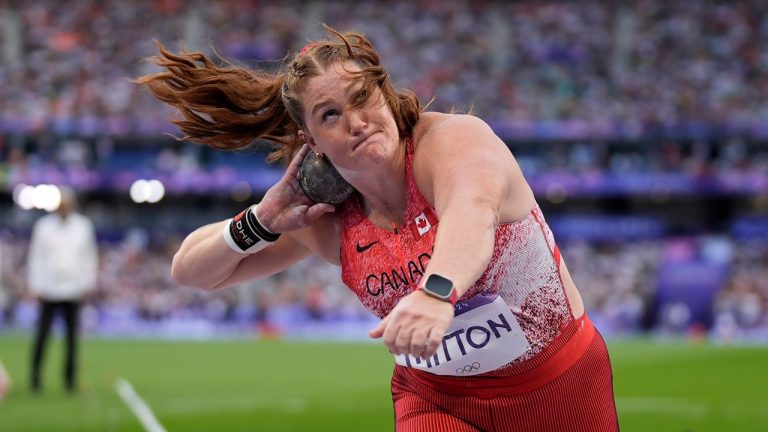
(246, 230)
(258, 228)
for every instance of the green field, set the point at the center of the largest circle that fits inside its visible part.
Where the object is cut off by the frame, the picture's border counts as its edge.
(301, 386)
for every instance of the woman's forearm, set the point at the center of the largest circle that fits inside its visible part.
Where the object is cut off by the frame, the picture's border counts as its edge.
(204, 260)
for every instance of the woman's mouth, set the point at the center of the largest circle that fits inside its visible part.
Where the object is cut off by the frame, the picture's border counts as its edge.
(361, 142)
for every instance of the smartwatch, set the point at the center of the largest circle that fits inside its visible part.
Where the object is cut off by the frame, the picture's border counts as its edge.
(440, 287)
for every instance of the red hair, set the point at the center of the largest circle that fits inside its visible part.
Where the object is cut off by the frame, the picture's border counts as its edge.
(229, 107)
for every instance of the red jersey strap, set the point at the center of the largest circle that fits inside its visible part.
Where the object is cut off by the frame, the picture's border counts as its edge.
(420, 216)
(535, 212)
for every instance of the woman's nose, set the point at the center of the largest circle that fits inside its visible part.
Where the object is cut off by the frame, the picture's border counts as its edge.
(357, 122)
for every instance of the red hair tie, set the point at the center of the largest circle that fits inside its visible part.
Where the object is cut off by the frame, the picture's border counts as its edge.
(308, 47)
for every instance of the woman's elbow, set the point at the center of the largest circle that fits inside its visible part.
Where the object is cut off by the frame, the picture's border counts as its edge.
(181, 274)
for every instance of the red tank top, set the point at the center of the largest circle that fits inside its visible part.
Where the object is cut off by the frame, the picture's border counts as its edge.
(382, 266)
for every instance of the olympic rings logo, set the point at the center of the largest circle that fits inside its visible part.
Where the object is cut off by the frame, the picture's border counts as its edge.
(474, 367)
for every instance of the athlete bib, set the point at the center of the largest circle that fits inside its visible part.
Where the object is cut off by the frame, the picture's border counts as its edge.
(484, 336)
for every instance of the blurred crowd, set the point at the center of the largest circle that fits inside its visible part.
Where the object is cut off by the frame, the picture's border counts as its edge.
(619, 282)
(743, 301)
(577, 168)
(593, 167)
(683, 82)
(534, 69)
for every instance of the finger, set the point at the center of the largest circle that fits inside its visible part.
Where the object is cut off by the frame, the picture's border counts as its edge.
(379, 330)
(293, 167)
(403, 340)
(418, 339)
(389, 336)
(318, 210)
(433, 341)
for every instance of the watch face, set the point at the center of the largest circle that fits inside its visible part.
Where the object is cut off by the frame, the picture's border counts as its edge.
(439, 286)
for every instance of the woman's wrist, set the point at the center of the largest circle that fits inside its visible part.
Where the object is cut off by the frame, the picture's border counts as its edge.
(245, 234)
(261, 219)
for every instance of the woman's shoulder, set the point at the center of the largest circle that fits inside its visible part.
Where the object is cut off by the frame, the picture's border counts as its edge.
(428, 121)
(432, 125)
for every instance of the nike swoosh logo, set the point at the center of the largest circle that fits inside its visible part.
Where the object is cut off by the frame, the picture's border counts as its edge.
(361, 249)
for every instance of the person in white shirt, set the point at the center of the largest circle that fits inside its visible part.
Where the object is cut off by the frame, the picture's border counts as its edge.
(62, 268)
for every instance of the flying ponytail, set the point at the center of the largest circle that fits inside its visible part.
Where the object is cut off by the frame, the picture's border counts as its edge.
(226, 107)
(229, 107)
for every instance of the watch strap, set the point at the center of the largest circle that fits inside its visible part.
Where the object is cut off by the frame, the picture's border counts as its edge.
(452, 297)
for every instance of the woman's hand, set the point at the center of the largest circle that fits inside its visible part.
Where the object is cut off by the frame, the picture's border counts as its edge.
(415, 326)
(285, 207)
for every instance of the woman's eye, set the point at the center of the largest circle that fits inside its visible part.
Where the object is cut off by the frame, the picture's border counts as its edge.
(361, 96)
(328, 114)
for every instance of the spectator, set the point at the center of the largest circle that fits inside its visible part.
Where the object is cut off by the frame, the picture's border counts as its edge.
(62, 268)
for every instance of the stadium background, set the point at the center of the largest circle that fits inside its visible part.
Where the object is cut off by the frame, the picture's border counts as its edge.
(641, 127)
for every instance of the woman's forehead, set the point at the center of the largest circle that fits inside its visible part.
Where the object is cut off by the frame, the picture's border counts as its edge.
(335, 80)
(340, 71)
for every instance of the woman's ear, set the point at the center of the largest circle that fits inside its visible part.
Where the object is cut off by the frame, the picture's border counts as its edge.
(310, 142)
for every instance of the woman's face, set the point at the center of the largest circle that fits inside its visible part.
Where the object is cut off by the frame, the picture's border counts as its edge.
(355, 136)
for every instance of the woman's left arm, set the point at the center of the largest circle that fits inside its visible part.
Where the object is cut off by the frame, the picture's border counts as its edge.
(467, 172)
(463, 168)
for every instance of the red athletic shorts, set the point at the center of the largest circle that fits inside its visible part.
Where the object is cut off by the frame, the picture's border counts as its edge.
(566, 387)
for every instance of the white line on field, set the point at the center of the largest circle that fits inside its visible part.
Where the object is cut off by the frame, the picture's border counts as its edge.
(138, 406)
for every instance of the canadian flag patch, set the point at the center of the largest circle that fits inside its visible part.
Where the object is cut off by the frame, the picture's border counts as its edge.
(423, 222)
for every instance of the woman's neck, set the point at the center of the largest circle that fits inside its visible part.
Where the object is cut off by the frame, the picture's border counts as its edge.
(387, 214)
(385, 196)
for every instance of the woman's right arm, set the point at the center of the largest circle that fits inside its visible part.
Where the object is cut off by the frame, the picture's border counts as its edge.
(204, 259)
